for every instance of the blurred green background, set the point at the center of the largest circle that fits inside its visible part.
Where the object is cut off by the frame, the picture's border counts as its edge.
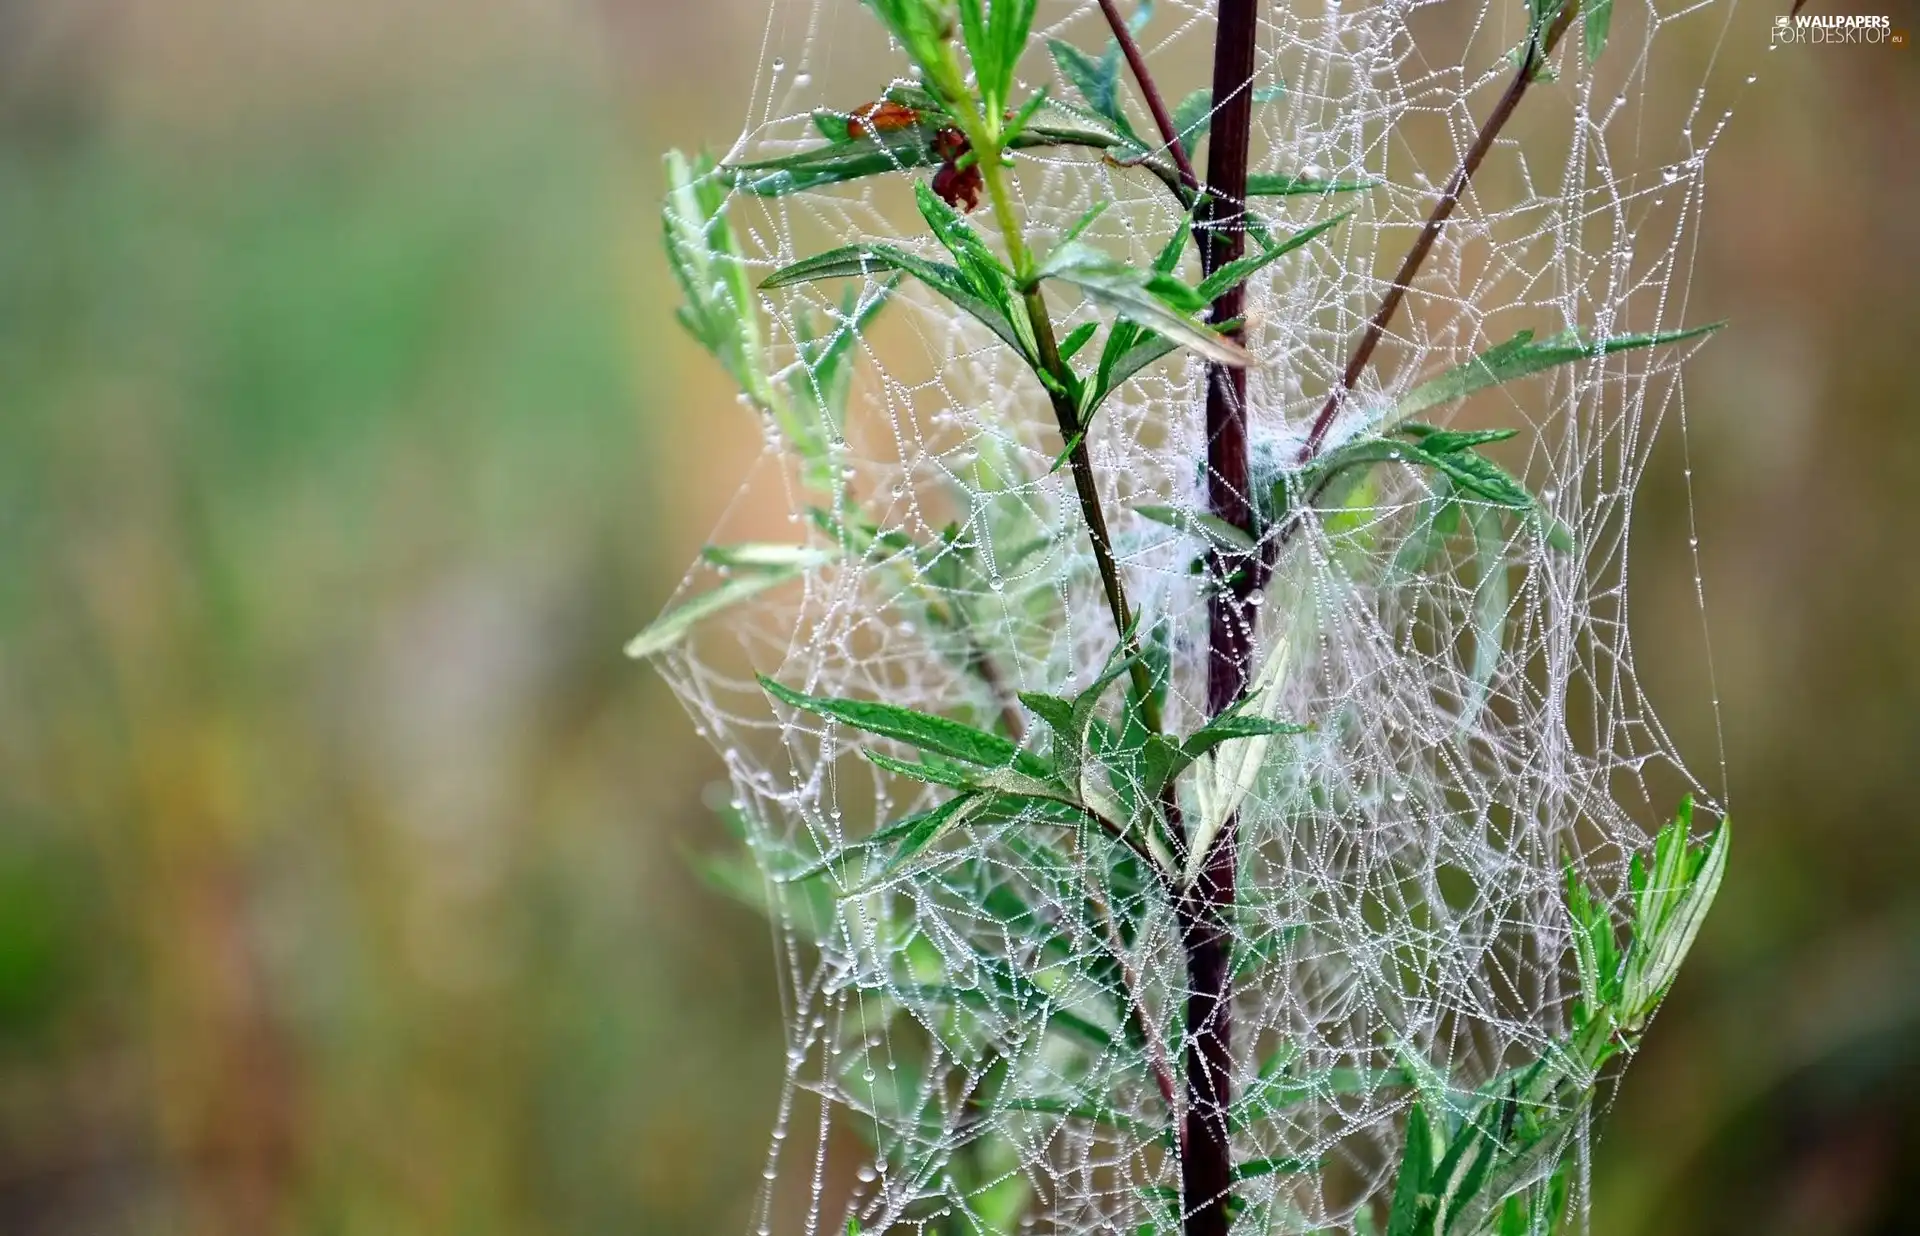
(344, 436)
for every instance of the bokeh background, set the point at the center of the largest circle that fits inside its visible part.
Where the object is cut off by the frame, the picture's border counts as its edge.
(345, 435)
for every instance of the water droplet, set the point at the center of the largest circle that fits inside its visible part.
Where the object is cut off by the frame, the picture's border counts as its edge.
(1398, 796)
(771, 1174)
(1693, 542)
(866, 1173)
(779, 65)
(1549, 494)
(803, 79)
(1752, 78)
(1669, 174)
(997, 584)
(1256, 599)
(1310, 172)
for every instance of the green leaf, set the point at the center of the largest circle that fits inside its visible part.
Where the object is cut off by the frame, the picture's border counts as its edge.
(1256, 948)
(925, 731)
(1451, 441)
(1078, 338)
(995, 41)
(819, 384)
(1233, 274)
(855, 158)
(1452, 454)
(1098, 81)
(1077, 1110)
(1520, 357)
(1004, 990)
(923, 28)
(1437, 519)
(1231, 726)
(1491, 596)
(1270, 184)
(1253, 1168)
(1463, 473)
(1071, 725)
(982, 272)
(1596, 947)
(768, 556)
(1670, 906)
(907, 826)
(1193, 115)
(1416, 1170)
(673, 625)
(1276, 1090)
(1117, 365)
(931, 827)
(1456, 1182)
(1212, 529)
(720, 311)
(1056, 712)
(932, 772)
(1596, 16)
(1156, 301)
(862, 260)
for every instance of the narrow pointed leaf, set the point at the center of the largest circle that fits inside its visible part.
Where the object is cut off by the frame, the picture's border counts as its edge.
(940, 735)
(1491, 596)
(1193, 115)
(1212, 529)
(1233, 274)
(673, 625)
(1157, 302)
(931, 828)
(864, 260)
(1416, 1167)
(1096, 80)
(768, 556)
(1078, 338)
(1597, 17)
(1272, 1167)
(855, 158)
(1521, 357)
(1268, 184)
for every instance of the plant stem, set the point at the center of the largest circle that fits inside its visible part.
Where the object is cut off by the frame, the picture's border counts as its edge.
(1156, 102)
(1071, 430)
(1539, 49)
(1206, 1154)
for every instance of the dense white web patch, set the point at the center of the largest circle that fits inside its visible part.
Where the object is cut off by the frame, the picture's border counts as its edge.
(958, 1053)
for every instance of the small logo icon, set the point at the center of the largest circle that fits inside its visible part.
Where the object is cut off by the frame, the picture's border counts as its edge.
(1783, 21)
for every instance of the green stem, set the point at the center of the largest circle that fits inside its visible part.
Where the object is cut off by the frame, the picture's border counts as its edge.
(1079, 462)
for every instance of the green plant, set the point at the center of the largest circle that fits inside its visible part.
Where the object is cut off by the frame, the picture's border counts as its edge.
(1063, 922)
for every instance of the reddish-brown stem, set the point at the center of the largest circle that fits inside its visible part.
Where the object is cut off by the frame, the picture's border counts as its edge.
(1206, 1155)
(1156, 102)
(1539, 48)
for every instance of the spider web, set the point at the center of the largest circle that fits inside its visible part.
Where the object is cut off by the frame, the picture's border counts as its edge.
(958, 1059)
